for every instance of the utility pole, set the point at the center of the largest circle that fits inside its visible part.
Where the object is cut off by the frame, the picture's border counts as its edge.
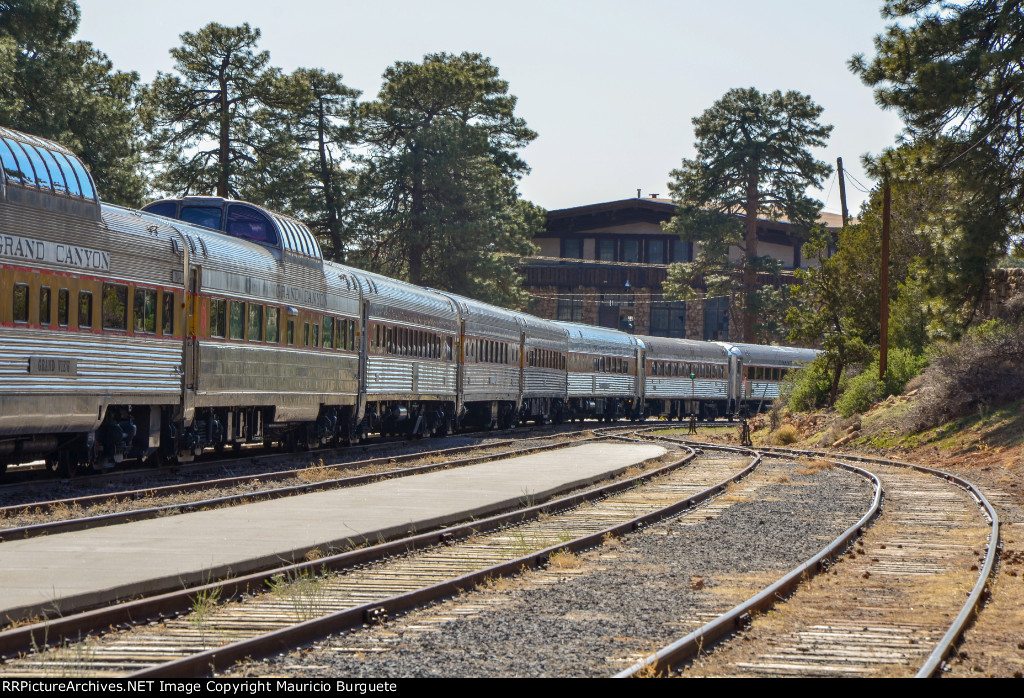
(842, 190)
(883, 353)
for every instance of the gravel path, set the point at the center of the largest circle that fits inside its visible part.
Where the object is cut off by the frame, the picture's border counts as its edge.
(594, 615)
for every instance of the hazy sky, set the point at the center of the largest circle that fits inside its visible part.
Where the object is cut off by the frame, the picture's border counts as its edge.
(611, 87)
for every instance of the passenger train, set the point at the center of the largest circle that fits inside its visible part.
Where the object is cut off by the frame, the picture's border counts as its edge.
(202, 322)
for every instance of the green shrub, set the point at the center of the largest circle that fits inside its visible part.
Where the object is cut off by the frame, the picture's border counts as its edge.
(811, 386)
(861, 392)
(866, 389)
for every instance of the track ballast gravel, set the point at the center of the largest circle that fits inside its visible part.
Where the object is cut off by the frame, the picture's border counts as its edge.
(623, 600)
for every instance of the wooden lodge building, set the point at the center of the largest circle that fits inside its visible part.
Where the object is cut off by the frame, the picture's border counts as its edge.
(604, 264)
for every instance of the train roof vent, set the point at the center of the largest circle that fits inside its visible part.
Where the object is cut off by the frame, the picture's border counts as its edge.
(39, 172)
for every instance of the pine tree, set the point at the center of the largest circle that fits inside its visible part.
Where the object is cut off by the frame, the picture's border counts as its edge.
(953, 72)
(753, 159)
(68, 91)
(208, 125)
(441, 177)
(318, 113)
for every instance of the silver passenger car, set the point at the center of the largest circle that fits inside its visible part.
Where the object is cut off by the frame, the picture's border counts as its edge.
(270, 352)
(91, 324)
(545, 380)
(603, 373)
(489, 376)
(410, 372)
(756, 372)
(685, 377)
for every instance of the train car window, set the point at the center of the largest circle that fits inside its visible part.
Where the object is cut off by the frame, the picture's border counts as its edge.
(56, 173)
(115, 307)
(352, 335)
(21, 303)
(83, 179)
(44, 305)
(85, 309)
(750, 373)
(563, 362)
(448, 348)
(273, 325)
(250, 224)
(218, 317)
(74, 187)
(167, 313)
(14, 169)
(316, 334)
(255, 322)
(236, 320)
(168, 209)
(206, 216)
(305, 334)
(291, 332)
(144, 311)
(328, 333)
(63, 303)
(42, 174)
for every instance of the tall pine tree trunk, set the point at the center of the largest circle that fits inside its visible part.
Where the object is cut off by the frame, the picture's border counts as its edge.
(749, 273)
(225, 131)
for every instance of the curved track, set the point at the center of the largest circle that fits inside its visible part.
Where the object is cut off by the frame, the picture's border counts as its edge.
(893, 607)
(269, 624)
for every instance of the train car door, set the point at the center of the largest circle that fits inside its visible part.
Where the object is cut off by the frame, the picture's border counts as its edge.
(191, 349)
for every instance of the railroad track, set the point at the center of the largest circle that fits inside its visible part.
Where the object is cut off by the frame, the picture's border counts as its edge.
(394, 577)
(72, 514)
(894, 604)
(31, 478)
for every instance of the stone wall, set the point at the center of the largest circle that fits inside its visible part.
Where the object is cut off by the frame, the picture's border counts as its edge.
(1004, 286)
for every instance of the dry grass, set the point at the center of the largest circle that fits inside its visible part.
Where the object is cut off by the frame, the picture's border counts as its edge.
(317, 472)
(810, 466)
(735, 493)
(564, 560)
(785, 435)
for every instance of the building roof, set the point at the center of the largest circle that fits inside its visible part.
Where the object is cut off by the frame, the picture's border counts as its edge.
(652, 210)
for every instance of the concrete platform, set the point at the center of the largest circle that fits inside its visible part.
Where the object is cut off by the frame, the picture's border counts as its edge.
(58, 574)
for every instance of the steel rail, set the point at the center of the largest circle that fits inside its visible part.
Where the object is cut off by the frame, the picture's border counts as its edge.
(978, 593)
(24, 639)
(213, 660)
(86, 522)
(739, 615)
(252, 452)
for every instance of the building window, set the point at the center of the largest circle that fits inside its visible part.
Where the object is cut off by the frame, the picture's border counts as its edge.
(668, 319)
(572, 248)
(655, 251)
(631, 251)
(606, 250)
(570, 308)
(716, 319)
(682, 251)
